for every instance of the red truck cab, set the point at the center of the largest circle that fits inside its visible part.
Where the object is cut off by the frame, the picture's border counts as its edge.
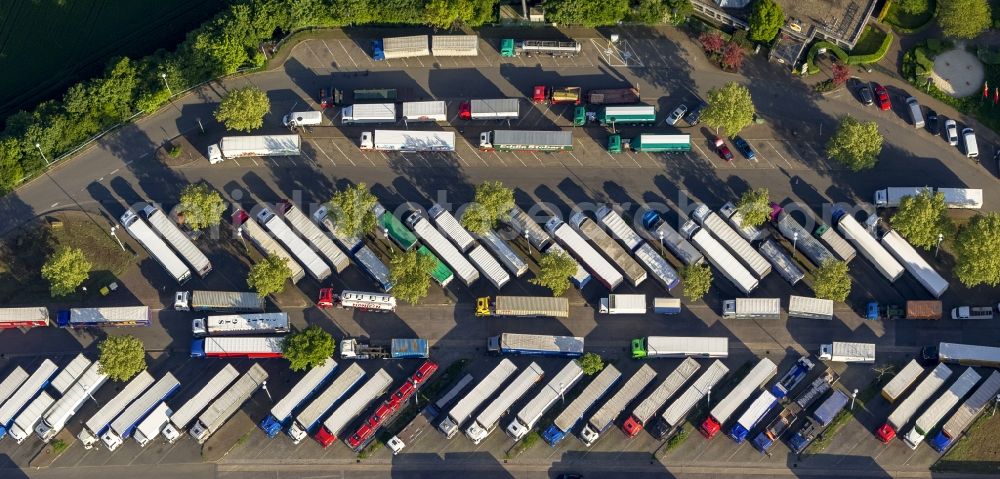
(324, 437)
(359, 438)
(710, 427)
(540, 95)
(465, 110)
(631, 427)
(885, 433)
(325, 299)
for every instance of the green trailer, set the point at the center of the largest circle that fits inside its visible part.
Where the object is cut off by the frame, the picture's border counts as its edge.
(507, 47)
(627, 115)
(441, 273)
(380, 95)
(397, 231)
(650, 143)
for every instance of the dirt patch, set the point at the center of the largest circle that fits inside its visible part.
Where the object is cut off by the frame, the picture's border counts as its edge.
(180, 151)
(958, 72)
(978, 450)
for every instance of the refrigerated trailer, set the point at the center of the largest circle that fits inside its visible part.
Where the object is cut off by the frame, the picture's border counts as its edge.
(969, 355)
(597, 264)
(8, 387)
(660, 269)
(781, 261)
(838, 246)
(594, 391)
(368, 113)
(315, 266)
(237, 347)
(626, 115)
(909, 406)
(554, 390)
(487, 420)
(407, 140)
(489, 267)
(679, 409)
(29, 417)
(70, 373)
(319, 240)
(590, 229)
(490, 109)
(535, 345)
(680, 347)
(623, 304)
(455, 45)
(98, 423)
(870, 248)
(941, 406)
(759, 408)
(755, 379)
(901, 382)
(735, 219)
(601, 420)
(265, 243)
(56, 417)
(437, 242)
(307, 419)
(733, 241)
(523, 306)
(104, 317)
(659, 230)
(220, 410)
(967, 412)
(232, 147)
(156, 247)
(222, 301)
(847, 352)
(183, 415)
(19, 390)
(417, 111)
(125, 424)
(914, 263)
(240, 324)
(476, 397)
(180, 241)
(751, 308)
(150, 427)
(721, 259)
(281, 412)
(503, 252)
(810, 308)
(23, 317)
(968, 198)
(451, 228)
(659, 396)
(31, 401)
(526, 140)
(400, 47)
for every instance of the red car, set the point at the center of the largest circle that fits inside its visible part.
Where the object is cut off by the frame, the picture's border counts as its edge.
(882, 97)
(723, 150)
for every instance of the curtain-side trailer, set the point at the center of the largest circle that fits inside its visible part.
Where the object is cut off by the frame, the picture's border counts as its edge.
(755, 379)
(493, 242)
(601, 420)
(536, 237)
(319, 240)
(908, 407)
(368, 113)
(231, 147)
(223, 408)
(914, 263)
(315, 266)
(240, 324)
(810, 308)
(781, 261)
(482, 391)
(376, 386)
(941, 406)
(99, 422)
(390, 48)
(437, 242)
(870, 248)
(180, 241)
(183, 415)
(967, 413)
(969, 355)
(55, 419)
(109, 317)
(526, 140)
(451, 228)
(156, 247)
(751, 308)
(659, 396)
(723, 261)
(556, 388)
(407, 140)
(523, 306)
(265, 243)
(570, 416)
(679, 409)
(489, 266)
(237, 347)
(220, 301)
(590, 229)
(125, 424)
(24, 317)
(455, 45)
(759, 408)
(901, 382)
(736, 244)
(19, 391)
(735, 219)
(658, 230)
(281, 412)
(310, 416)
(487, 420)
(680, 347)
(572, 240)
(490, 109)
(535, 345)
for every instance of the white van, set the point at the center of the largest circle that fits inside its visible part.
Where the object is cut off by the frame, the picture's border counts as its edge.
(969, 143)
(915, 115)
(303, 118)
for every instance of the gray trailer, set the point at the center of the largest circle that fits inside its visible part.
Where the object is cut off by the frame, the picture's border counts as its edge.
(503, 252)
(226, 405)
(316, 237)
(782, 263)
(802, 240)
(590, 229)
(733, 241)
(838, 246)
(810, 308)
(455, 45)
(658, 231)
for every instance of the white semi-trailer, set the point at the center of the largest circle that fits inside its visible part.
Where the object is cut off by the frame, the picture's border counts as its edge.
(451, 228)
(661, 270)
(909, 406)
(679, 409)
(425, 111)
(455, 45)
(265, 243)
(754, 380)
(366, 113)
(319, 240)
(231, 147)
(847, 352)
(659, 396)
(180, 241)
(503, 252)
(723, 261)
(183, 415)
(598, 266)
(156, 247)
(56, 417)
(605, 416)
(536, 237)
(729, 237)
(874, 252)
(891, 197)
(150, 427)
(941, 406)
(915, 264)
(680, 347)
(594, 391)
(810, 308)
(407, 140)
(125, 424)
(623, 304)
(281, 412)
(20, 389)
(220, 410)
(611, 220)
(751, 308)
(315, 266)
(967, 412)
(223, 301)
(477, 396)
(592, 231)
(487, 420)
(311, 415)
(374, 387)
(101, 420)
(489, 266)
(444, 249)
(554, 390)
(968, 198)
(969, 354)
(240, 324)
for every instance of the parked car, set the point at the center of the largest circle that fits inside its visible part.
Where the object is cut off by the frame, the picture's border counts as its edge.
(694, 116)
(932, 122)
(865, 93)
(723, 150)
(951, 132)
(882, 95)
(677, 115)
(744, 148)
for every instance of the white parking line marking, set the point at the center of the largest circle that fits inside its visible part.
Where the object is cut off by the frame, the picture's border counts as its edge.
(474, 152)
(349, 56)
(613, 158)
(332, 56)
(779, 154)
(316, 144)
(575, 158)
(345, 154)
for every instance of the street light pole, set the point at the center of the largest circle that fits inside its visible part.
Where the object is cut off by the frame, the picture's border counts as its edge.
(854, 395)
(661, 241)
(527, 239)
(938, 247)
(164, 77)
(263, 385)
(38, 146)
(239, 232)
(115, 236)
(795, 240)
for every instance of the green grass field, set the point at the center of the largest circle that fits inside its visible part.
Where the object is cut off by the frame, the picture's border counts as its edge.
(48, 45)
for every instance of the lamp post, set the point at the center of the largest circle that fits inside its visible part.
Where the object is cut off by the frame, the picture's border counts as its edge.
(527, 239)
(854, 395)
(115, 236)
(263, 385)
(164, 77)
(709, 396)
(239, 232)
(661, 241)
(38, 146)
(795, 240)
(938, 247)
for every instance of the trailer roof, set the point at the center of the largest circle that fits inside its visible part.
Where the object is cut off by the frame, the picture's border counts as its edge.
(680, 408)
(872, 250)
(533, 137)
(557, 387)
(111, 409)
(760, 374)
(482, 391)
(589, 228)
(659, 396)
(724, 261)
(619, 228)
(594, 391)
(10, 315)
(241, 145)
(303, 388)
(914, 263)
(902, 381)
(337, 389)
(969, 354)
(971, 408)
(757, 408)
(585, 252)
(130, 417)
(659, 267)
(517, 388)
(931, 383)
(447, 222)
(376, 385)
(194, 405)
(623, 396)
(947, 400)
(687, 346)
(732, 239)
(541, 342)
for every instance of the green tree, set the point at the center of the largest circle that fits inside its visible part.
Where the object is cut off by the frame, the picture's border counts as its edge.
(679, 10)
(754, 206)
(589, 13)
(913, 7)
(554, 270)
(766, 20)
(122, 357)
(977, 251)
(649, 12)
(11, 172)
(65, 270)
(697, 280)
(410, 275)
(832, 281)
(964, 18)
(243, 109)
(855, 144)
(591, 363)
(493, 201)
(729, 108)
(442, 13)
(308, 348)
(921, 218)
(353, 210)
(201, 206)
(268, 276)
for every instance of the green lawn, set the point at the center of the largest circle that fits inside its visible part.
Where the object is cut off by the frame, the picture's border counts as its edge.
(910, 21)
(47, 45)
(870, 41)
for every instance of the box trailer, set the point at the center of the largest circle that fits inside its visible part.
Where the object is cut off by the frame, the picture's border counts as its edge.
(407, 140)
(455, 45)
(810, 308)
(510, 48)
(751, 308)
(183, 415)
(870, 248)
(125, 425)
(111, 317)
(476, 397)
(675, 414)
(680, 347)
(487, 420)
(941, 406)
(900, 249)
(601, 420)
(156, 247)
(281, 413)
(660, 269)
(19, 392)
(820, 419)
(759, 408)
(659, 396)
(489, 267)
(838, 246)
(315, 236)
(237, 347)
(800, 238)
(967, 198)
(150, 427)
(368, 113)
(613, 96)
(658, 230)
(220, 301)
(535, 345)
(969, 355)
(523, 306)
(490, 109)
(667, 305)
(781, 261)
(29, 417)
(450, 227)
(314, 265)
(528, 228)
(891, 197)
(627, 115)
(265, 243)
(514, 264)
(572, 414)
(624, 233)
(720, 258)
(436, 241)
(733, 241)
(376, 386)
(623, 304)
(909, 406)
(180, 241)
(391, 48)
(310, 416)
(418, 111)
(649, 143)
(100, 421)
(754, 380)
(592, 231)
(928, 310)
(597, 264)
(220, 410)
(844, 352)
(901, 382)
(232, 147)
(735, 219)
(84, 388)
(553, 391)
(967, 413)
(526, 140)
(70, 373)
(24, 317)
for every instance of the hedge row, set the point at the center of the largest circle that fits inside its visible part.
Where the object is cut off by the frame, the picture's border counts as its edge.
(843, 56)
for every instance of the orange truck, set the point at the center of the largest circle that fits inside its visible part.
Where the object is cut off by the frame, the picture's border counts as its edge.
(555, 96)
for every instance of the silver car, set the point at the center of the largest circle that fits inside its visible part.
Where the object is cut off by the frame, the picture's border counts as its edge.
(677, 115)
(951, 132)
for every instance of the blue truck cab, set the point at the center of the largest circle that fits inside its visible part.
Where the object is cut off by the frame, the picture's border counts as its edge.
(377, 53)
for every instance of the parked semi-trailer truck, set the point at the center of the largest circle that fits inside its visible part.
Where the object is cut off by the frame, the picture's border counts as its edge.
(735, 219)
(732, 240)
(490, 109)
(399, 348)
(437, 242)
(781, 261)
(870, 248)
(755, 379)
(319, 240)
(156, 247)
(503, 252)
(554, 390)
(721, 259)
(570, 416)
(376, 386)
(536, 237)
(967, 413)
(423, 111)
(592, 231)
(237, 347)
(759, 408)
(99, 422)
(838, 246)
(240, 324)
(810, 308)
(800, 238)
(487, 420)
(310, 416)
(56, 417)
(365, 301)
(623, 304)
(891, 197)
(400, 47)
(455, 45)
(535, 345)
(180, 241)
(914, 263)
(909, 406)
(220, 410)
(901, 382)
(368, 113)
(523, 306)
(614, 96)
(597, 264)
(626, 115)
(969, 355)
(386, 412)
(845, 352)
(152, 425)
(232, 147)
(219, 301)
(818, 421)
(751, 308)
(476, 397)
(659, 396)
(23, 317)
(183, 415)
(680, 347)
(315, 266)
(601, 420)
(110, 317)
(265, 243)
(659, 231)
(281, 412)
(941, 406)
(125, 424)
(675, 414)
(511, 48)
(526, 140)
(407, 140)
(644, 253)
(20, 391)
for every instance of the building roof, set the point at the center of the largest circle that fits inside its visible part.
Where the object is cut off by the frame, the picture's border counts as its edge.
(842, 19)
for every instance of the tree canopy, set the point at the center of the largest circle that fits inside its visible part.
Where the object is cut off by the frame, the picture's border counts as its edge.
(122, 357)
(65, 270)
(697, 279)
(410, 275)
(493, 201)
(832, 281)
(649, 12)
(308, 348)
(269, 275)
(589, 13)
(352, 210)
(921, 218)
(978, 251)
(591, 363)
(243, 109)
(729, 108)
(201, 206)
(754, 206)
(766, 20)
(855, 144)
(554, 270)
(964, 18)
